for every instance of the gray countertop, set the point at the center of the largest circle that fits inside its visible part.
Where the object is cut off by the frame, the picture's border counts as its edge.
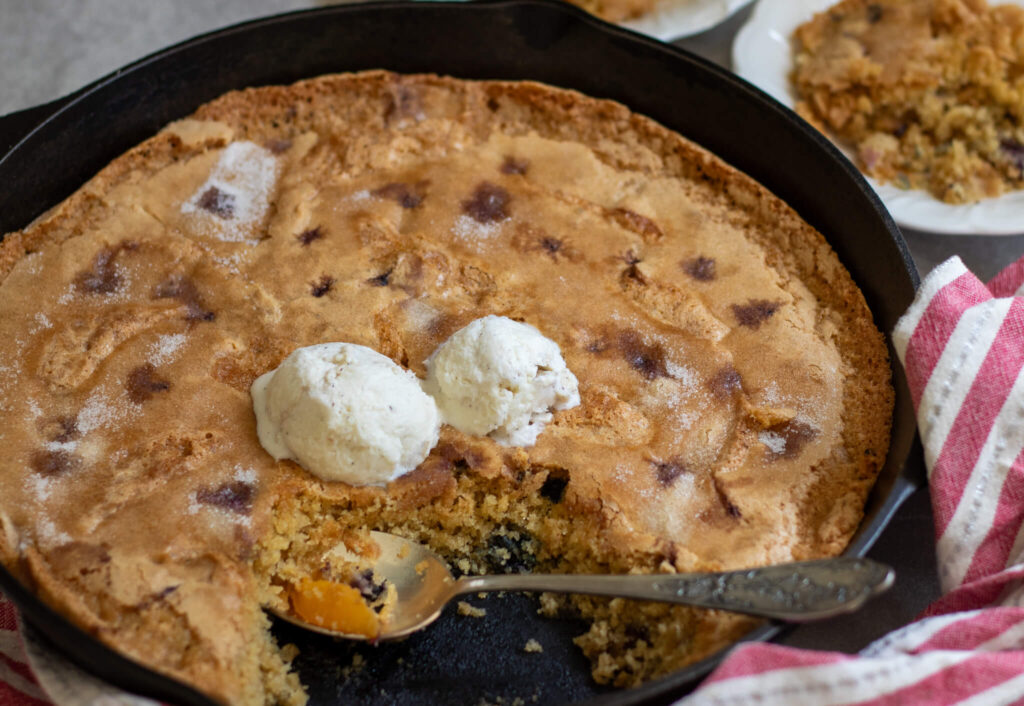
(49, 48)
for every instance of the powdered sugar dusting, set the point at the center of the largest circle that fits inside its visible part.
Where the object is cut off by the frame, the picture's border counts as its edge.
(470, 229)
(245, 175)
(244, 475)
(775, 442)
(165, 348)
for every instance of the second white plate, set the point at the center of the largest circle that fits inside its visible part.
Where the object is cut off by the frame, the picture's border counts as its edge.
(762, 54)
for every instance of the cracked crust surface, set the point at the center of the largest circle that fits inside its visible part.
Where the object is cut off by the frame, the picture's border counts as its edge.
(735, 394)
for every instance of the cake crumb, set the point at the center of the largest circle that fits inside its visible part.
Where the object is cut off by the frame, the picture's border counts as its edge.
(471, 610)
(533, 646)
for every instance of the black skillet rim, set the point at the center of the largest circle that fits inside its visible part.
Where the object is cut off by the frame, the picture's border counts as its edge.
(883, 503)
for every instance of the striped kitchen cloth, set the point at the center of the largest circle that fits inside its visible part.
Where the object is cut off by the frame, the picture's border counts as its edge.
(17, 685)
(962, 344)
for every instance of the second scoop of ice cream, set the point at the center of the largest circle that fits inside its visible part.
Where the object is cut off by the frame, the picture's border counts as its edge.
(500, 378)
(345, 413)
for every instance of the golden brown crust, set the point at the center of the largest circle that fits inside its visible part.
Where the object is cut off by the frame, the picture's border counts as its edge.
(736, 394)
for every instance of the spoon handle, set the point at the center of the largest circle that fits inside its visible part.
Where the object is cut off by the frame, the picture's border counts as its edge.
(797, 592)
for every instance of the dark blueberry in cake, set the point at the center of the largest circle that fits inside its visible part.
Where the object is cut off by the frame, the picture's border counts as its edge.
(488, 204)
(554, 487)
(322, 286)
(755, 312)
(405, 195)
(234, 496)
(65, 429)
(511, 165)
(647, 359)
(551, 245)
(1014, 151)
(795, 434)
(102, 276)
(217, 202)
(53, 463)
(278, 146)
(369, 589)
(511, 551)
(380, 280)
(184, 290)
(667, 471)
(874, 13)
(725, 382)
(143, 383)
(700, 268)
(308, 236)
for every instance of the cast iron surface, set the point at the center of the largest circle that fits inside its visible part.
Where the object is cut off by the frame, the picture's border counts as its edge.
(53, 149)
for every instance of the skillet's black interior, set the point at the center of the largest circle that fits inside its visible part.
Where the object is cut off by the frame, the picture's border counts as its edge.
(51, 150)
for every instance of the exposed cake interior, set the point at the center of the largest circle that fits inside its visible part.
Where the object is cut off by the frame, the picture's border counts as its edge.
(735, 394)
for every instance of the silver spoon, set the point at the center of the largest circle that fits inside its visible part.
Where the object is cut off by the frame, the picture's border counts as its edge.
(798, 592)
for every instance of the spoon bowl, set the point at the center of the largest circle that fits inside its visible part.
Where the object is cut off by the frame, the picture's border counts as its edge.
(796, 592)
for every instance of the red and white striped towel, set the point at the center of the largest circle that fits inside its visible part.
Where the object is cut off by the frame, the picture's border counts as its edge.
(962, 344)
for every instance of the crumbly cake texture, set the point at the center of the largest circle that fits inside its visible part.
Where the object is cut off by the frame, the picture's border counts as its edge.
(736, 396)
(928, 93)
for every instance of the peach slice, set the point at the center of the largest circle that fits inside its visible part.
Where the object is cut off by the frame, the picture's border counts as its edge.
(334, 606)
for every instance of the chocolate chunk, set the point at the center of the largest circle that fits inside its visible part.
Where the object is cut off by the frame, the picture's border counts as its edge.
(874, 13)
(406, 195)
(308, 236)
(488, 204)
(184, 290)
(236, 496)
(667, 471)
(700, 268)
(725, 382)
(631, 220)
(755, 312)
(143, 383)
(796, 434)
(102, 276)
(322, 287)
(278, 146)
(511, 165)
(647, 359)
(217, 202)
(380, 280)
(53, 463)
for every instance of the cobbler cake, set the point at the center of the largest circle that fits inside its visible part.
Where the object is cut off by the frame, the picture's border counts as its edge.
(928, 93)
(736, 396)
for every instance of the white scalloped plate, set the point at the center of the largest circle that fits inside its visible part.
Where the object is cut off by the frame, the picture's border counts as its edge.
(673, 19)
(761, 54)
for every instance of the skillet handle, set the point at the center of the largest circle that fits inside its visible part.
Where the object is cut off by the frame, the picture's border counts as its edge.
(15, 126)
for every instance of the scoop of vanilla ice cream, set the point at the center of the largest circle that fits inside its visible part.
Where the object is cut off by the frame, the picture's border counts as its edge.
(500, 378)
(345, 413)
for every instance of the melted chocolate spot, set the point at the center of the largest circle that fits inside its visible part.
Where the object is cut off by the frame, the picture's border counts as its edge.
(278, 146)
(236, 496)
(406, 195)
(217, 202)
(322, 287)
(725, 382)
(184, 290)
(143, 383)
(53, 463)
(667, 471)
(488, 204)
(380, 280)
(511, 165)
(102, 277)
(631, 220)
(647, 359)
(755, 312)
(308, 236)
(700, 268)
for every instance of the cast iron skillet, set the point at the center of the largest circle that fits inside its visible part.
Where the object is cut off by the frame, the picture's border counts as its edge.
(51, 150)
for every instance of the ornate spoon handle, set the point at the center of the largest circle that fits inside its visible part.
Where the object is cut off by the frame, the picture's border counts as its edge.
(797, 592)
